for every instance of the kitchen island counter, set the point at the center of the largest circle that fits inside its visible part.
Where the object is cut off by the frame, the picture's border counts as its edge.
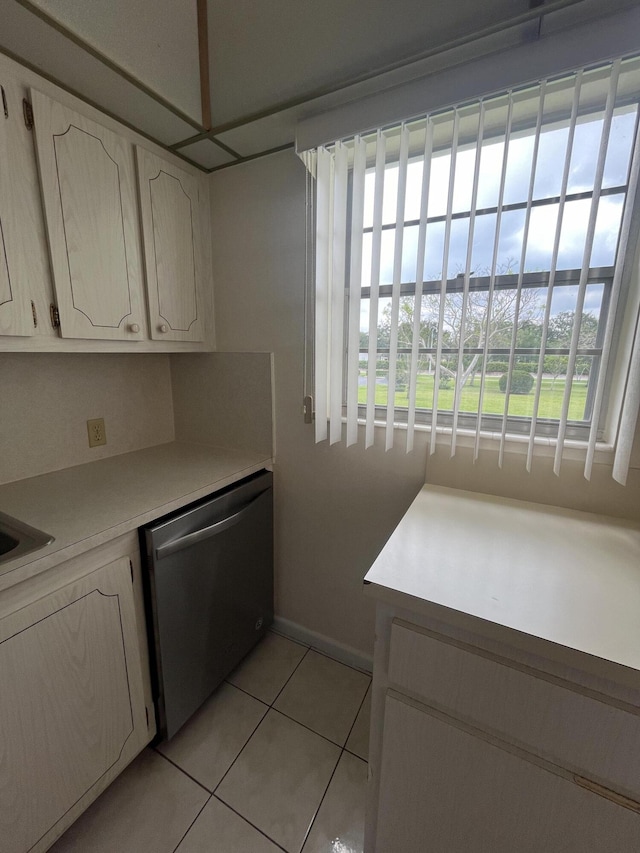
(551, 580)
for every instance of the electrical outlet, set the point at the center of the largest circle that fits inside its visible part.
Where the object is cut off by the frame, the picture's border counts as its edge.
(97, 434)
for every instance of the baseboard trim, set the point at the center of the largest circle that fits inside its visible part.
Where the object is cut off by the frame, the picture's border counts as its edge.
(339, 651)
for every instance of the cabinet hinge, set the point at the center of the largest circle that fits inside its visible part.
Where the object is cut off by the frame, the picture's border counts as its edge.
(27, 112)
(34, 314)
(131, 570)
(5, 106)
(55, 316)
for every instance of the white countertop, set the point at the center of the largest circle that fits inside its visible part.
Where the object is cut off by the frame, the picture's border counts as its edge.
(570, 578)
(87, 505)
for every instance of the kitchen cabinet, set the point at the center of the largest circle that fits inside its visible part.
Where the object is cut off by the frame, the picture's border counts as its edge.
(72, 267)
(445, 787)
(88, 190)
(172, 228)
(506, 683)
(16, 270)
(75, 704)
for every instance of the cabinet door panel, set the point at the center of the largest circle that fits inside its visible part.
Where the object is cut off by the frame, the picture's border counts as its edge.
(443, 789)
(562, 725)
(73, 707)
(88, 191)
(170, 206)
(15, 313)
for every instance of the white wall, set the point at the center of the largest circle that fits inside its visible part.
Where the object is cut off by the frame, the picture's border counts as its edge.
(335, 507)
(223, 399)
(47, 398)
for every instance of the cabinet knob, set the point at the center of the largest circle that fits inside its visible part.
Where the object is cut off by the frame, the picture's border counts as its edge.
(134, 327)
(164, 328)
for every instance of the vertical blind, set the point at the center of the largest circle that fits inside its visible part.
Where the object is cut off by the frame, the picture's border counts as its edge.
(470, 271)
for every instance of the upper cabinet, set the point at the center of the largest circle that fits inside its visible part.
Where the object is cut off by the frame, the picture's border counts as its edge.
(104, 245)
(174, 263)
(88, 190)
(15, 309)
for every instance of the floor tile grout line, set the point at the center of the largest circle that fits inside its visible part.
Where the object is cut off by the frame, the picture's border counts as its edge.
(355, 719)
(246, 820)
(286, 716)
(208, 800)
(348, 665)
(275, 710)
(293, 719)
(270, 704)
(342, 752)
(181, 769)
(308, 728)
(291, 676)
(240, 751)
(322, 798)
(253, 731)
(355, 755)
(246, 693)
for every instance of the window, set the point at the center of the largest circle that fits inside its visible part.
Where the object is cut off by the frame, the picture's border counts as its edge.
(472, 267)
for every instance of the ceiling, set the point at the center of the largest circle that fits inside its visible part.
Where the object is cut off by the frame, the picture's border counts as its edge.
(223, 81)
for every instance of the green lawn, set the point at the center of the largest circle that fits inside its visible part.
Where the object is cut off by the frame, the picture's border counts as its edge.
(493, 404)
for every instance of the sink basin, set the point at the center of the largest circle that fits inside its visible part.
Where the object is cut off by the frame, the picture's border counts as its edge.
(18, 538)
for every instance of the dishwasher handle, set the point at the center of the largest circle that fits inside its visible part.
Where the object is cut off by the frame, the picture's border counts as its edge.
(190, 539)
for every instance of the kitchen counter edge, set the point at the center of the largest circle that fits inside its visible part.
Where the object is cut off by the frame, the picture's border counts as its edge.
(115, 495)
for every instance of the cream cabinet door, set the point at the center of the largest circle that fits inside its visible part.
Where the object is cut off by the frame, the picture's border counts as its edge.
(443, 789)
(15, 307)
(171, 226)
(88, 189)
(72, 710)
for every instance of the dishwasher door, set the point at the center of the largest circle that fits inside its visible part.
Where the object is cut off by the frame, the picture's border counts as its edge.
(210, 593)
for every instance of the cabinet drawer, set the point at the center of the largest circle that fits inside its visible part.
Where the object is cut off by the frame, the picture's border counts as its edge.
(444, 790)
(577, 731)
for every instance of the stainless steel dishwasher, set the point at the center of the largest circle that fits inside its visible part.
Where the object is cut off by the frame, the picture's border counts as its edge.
(209, 593)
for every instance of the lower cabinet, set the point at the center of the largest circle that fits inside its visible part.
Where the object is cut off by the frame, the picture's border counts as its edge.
(444, 789)
(479, 747)
(73, 712)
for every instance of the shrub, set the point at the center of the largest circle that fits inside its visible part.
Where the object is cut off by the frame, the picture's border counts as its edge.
(521, 382)
(497, 366)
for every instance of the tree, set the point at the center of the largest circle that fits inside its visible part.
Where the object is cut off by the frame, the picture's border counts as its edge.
(559, 335)
(480, 329)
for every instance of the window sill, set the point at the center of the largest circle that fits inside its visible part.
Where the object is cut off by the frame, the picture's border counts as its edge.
(517, 444)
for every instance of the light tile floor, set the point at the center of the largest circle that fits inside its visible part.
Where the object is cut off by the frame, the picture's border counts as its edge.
(275, 760)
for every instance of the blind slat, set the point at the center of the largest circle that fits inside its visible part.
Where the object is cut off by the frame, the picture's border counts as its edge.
(627, 424)
(355, 280)
(629, 417)
(582, 286)
(523, 255)
(554, 263)
(397, 277)
(443, 284)
(492, 279)
(467, 278)
(337, 296)
(417, 303)
(376, 246)
(324, 230)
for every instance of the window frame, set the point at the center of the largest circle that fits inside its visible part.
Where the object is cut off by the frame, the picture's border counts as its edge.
(516, 425)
